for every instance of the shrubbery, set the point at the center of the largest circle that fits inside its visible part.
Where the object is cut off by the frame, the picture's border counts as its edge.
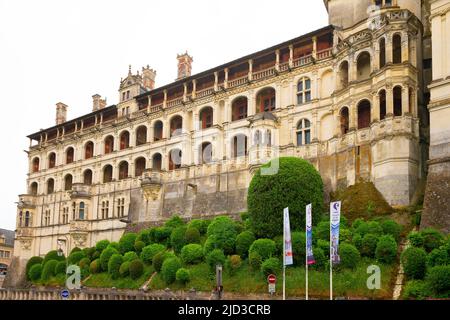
(192, 235)
(392, 228)
(31, 262)
(75, 257)
(369, 244)
(214, 258)
(243, 242)
(255, 260)
(271, 266)
(298, 248)
(349, 256)
(35, 272)
(49, 269)
(414, 262)
(174, 222)
(439, 279)
(130, 256)
(322, 231)
(386, 250)
(126, 242)
(233, 263)
(320, 258)
(192, 253)
(416, 239)
(139, 245)
(160, 235)
(101, 245)
(60, 267)
(136, 269)
(264, 247)
(416, 289)
(105, 256)
(325, 246)
(169, 269)
(95, 266)
(295, 184)
(177, 238)
(224, 232)
(124, 269)
(84, 263)
(432, 239)
(200, 225)
(159, 258)
(183, 275)
(438, 257)
(144, 236)
(53, 255)
(150, 251)
(114, 264)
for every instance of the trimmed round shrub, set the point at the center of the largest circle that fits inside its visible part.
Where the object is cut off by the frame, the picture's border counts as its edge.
(96, 255)
(322, 231)
(357, 222)
(35, 272)
(136, 269)
(298, 248)
(150, 251)
(200, 225)
(349, 256)
(89, 252)
(357, 241)
(124, 269)
(177, 238)
(345, 235)
(438, 257)
(160, 235)
(255, 260)
(386, 250)
(416, 290)
(144, 236)
(159, 258)
(114, 245)
(439, 279)
(243, 242)
(139, 245)
(294, 184)
(101, 245)
(373, 227)
(75, 250)
(49, 269)
(223, 229)
(169, 269)
(416, 239)
(271, 266)
(105, 256)
(75, 257)
(369, 245)
(114, 264)
(60, 268)
(192, 235)
(192, 253)
(393, 228)
(210, 244)
(174, 222)
(214, 258)
(95, 266)
(53, 255)
(31, 262)
(183, 275)
(432, 239)
(233, 263)
(84, 263)
(130, 256)
(126, 242)
(414, 263)
(264, 247)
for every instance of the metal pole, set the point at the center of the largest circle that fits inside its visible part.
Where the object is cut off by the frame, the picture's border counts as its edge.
(284, 261)
(306, 260)
(331, 265)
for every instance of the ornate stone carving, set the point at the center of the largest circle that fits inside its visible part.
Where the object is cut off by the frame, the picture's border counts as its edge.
(25, 244)
(79, 239)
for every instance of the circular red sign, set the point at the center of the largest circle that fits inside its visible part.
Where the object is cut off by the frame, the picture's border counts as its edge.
(272, 278)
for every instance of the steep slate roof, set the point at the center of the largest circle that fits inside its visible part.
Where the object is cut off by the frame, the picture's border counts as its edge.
(9, 237)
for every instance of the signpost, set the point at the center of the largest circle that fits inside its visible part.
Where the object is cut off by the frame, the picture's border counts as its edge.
(271, 280)
(65, 294)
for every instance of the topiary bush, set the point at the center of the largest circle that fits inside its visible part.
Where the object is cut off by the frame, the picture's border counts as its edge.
(150, 251)
(89, 252)
(31, 262)
(160, 235)
(416, 239)
(182, 275)
(192, 235)
(414, 262)
(345, 235)
(74, 250)
(392, 228)
(369, 244)
(192, 253)
(233, 263)
(169, 269)
(75, 257)
(223, 230)
(214, 258)
(432, 239)
(295, 184)
(114, 264)
(95, 266)
(386, 250)
(200, 225)
(357, 241)
(144, 236)
(136, 269)
(126, 242)
(159, 258)
(264, 247)
(243, 242)
(114, 245)
(439, 279)
(84, 263)
(322, 230)
(53, 255)
(255, 260)
(174, 222)
(124, 269)
(105, 256)
(138, 246)
(416, 290)
(349, 256)
(373, 227)
(49, 270)
(438, 257)
(130, 256)
(325, 246)
(60, 268)
(35, 272)
(177, 238)
(320, 259)
(101, 245)
(271, 266)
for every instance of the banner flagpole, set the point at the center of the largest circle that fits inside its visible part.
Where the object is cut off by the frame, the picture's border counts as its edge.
(284, 258)
(287, 248)
(306, 263)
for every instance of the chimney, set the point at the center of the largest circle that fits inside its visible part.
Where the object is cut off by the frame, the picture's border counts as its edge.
(97, 102)
(184, 65)
(148, 78)
(61, 113)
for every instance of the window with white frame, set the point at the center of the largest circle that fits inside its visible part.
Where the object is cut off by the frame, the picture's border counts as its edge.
(121, 207)
(303, 132)
(304, 91)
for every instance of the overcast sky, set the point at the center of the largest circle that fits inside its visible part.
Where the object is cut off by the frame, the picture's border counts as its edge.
(52, 51)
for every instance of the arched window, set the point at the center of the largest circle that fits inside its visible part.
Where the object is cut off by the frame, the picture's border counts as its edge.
(343, 75)
(109, 144)
(239, 109)
(268, 138)
(27, 219)
(257, 140)
(239, 146)
(382, 52)
(89, 150)
(205, 155)
(398, 101)
(141, 135)
(158, 131)
(344, 120)
(363, 66)
(34, 188)
(50, 186)
(35, 165)
(123, 170)
(265, 100)
(51, 160)
(382, 97)
(176, 126)
(157, 161)
(107, 173)
(303, 132)
(364, 114)
(175, 159)
(87, 177)
(68, 182)
(70, 155)
(139, 166)
(304, 91)
(206, 117)
(81, 211)
(124, 140)
(397, 48)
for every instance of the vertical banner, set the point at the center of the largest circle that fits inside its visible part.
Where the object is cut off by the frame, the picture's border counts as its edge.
(309, 249)
(288, 258)
(335, 217)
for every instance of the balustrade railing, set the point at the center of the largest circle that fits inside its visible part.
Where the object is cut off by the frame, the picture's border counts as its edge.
(302, 61)
(237, 82)
(263, 74)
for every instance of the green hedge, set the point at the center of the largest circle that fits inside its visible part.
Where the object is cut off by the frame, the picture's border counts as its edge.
(75, 257)
(243, 242)
(439, 279)
(60, 267)
(214, 258)
(95, 266)
(124, 269)
(150, 251)
(130, 256)
(105, 256)
(264, 247)
(126, 242)
(101, 245)
(114, 264)
(192, 253)
(177, 238)
(200, 225)
(31, 262)
(169, 269)
(349, 255)
(369, 245)
(224, 232)
(414, 263)
(136, 269)
(183, 275)
(53, 255)
(386, 250)
(35, 272)
(192, 235)
(49, 270)
(271, 266)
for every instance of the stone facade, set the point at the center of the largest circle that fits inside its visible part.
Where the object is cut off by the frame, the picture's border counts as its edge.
(348, 98)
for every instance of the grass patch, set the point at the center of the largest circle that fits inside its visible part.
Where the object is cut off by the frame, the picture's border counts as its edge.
(104, 280)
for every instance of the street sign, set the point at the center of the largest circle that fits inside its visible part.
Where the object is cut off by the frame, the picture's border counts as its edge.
(65, 294)
(271, 288)
(271, 279)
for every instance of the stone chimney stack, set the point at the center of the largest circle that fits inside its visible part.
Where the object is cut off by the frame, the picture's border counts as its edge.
(61, 113)
(184, 65)
(148, 78)
(97, 102)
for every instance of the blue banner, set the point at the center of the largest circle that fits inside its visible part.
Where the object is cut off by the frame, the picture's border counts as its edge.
(335, 217)
(309, 249)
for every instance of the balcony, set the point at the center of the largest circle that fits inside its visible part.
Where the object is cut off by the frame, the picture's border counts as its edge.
(80, 190)
(26, 201)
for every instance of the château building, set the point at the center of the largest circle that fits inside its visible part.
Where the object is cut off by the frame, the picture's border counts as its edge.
(351, 98)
